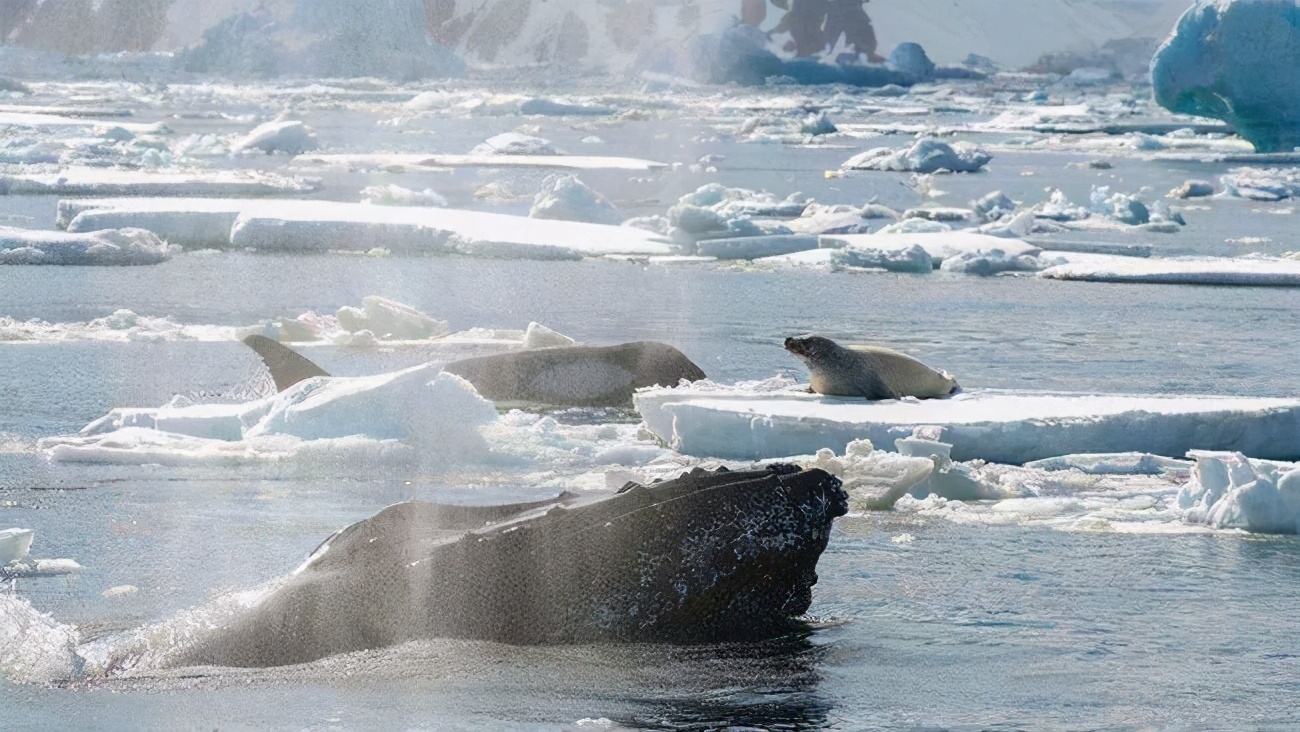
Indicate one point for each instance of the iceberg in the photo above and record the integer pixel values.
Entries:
(744, 423)
(117, 247)
(1229, 60)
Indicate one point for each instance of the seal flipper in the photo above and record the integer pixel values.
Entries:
(287, 366)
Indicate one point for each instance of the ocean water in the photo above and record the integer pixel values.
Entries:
(919, 622)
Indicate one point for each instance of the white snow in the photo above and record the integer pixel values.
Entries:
(289, 137)
(939, 245)
(924, 156)
(1254, 270)
(289, 225)
(998, 426)
(398, 162)
(75, 181)
(118, 247)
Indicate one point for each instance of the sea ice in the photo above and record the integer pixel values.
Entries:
(119, 247)
(14, 545)
(395, 195)
(1228, 491)
(743, 423)
(924, 156)
(391, 320)
(436, 162)
(940, 246)
(290, 137)
(112, 182)
(514, 143)
(566, 198)
(755, 247)
(1254, 270)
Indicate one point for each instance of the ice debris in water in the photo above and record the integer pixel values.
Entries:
(289, 137)
(1229, 491)
(116, 247)
(14, 545)
(514, 143)
(914, 259)
(1193, 189)
(1262, 185)
(391, 320)
(34, 649)
(714, 212)
(926, 155)
(395, 195)
(991, 262)
(994, 206)
(566, 198)
(1120, 206)
(818, 124)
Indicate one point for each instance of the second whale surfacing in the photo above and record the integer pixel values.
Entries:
(709, 556)
(567, 376)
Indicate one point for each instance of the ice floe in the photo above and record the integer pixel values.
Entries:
(113, 182)
(941, 246)
(1229, 491)
(566, 198)
(398, 162)
(395, 195)
(288, 225)
(999, 426)
(116, 247)
(289, 137)
(924, 156)
(1254, 270)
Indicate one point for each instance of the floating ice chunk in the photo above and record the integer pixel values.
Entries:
(1256, 270)
(916, 226)
(913, 259)
(994, 206)
(992, 262)
(1122, 207)
(395, 195)
(939, 245)
(391, 320)
(999, 426)
(1193, 189)
(539, 336)
(120, 591)
(553, 108)
(1220, 62)
(924, 156)
(117, 247)
(408, 162)
(910, 59)
(34, 649)
(1261, 185)
(756, 247)
(14, 545)
(111, 182)
(1232, 492)
(818, 124)
(565, 198)
(1123, 463)
(514, 143)
(290, 137)
(1058, 208)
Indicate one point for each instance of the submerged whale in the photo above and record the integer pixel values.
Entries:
(709, 556)
(569, 376)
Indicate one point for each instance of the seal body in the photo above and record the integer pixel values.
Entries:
(867, 371)
(706, 557)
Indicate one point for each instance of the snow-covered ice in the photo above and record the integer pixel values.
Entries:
(290, 137)
(940, 246)
(111, 182)
(1246, 271)
(397, 162)
(1229, 491)
(117, 247)
(998, 426)
(566, 198)
(14, 545)
(924, 156)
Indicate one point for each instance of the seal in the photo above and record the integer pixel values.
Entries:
(867, 371)
(707, 557)
(566, 376)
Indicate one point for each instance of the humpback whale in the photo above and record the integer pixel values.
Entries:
(569, 376)
(709, 556)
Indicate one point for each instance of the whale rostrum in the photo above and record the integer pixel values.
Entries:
(709, 556)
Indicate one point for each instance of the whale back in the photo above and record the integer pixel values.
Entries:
(706, 557)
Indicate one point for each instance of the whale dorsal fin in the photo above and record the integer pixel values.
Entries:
(287, 367)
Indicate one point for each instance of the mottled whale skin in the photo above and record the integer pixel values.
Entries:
(705, 557)
(571, 376)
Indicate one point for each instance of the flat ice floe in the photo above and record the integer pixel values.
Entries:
(302, 226)
(118, 247)
(113, 182)
(749, 423)
(1259, 271)
(941, 245)
(396, 162)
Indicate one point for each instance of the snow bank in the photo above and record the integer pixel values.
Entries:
(1250, 271)
(565, 198)
(118, 247)
(288, 225)
(1228, 491)
(924, 156)
(999, 426)
(113, 182)
(1226, 59)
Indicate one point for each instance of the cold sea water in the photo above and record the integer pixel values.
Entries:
(920, 621)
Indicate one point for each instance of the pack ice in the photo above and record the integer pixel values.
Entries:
(746, 422)
(126, 246)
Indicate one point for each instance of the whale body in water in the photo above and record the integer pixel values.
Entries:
(709, 556)
(567, 376)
